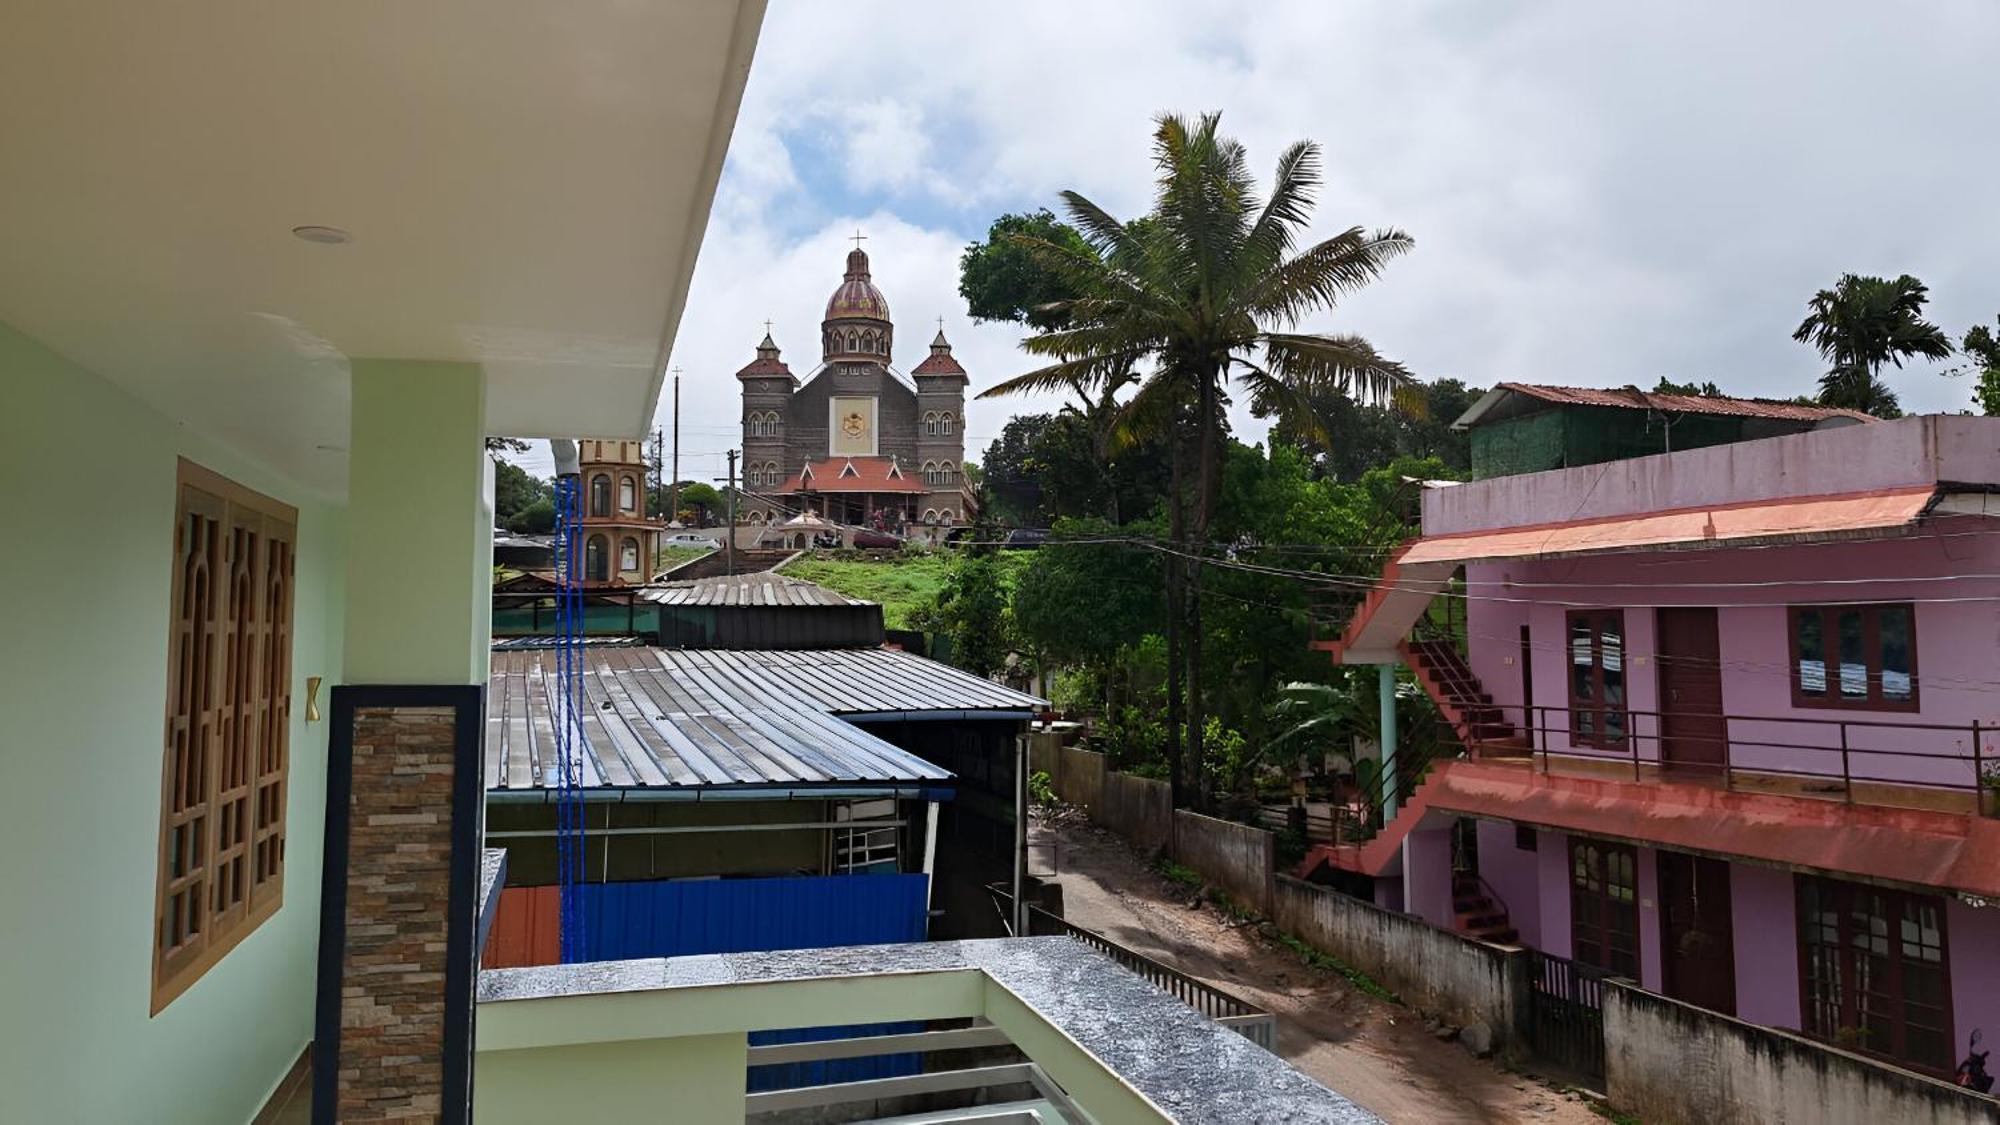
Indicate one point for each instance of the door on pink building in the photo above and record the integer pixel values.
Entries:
(1692, 732)
(1698, 953)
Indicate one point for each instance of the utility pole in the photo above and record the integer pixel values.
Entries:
(674, 485)
(659, 470)
(729, 535)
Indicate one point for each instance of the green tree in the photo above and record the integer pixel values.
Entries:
(1080, 601)
(1208, 289)
(1667, 386)
(1982, 347)
(538, 518)
(971, 610)
(1002, 279)
(1862, 323)
(515, 490)
(1344, 438)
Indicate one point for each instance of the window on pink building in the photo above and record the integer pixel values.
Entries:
(1873, 971)
(1604, 905)
(1854, 656)
(1596, 653)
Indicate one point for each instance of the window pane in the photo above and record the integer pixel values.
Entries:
(1812, 652)
(1612, 654)
(1892, 624)
(1582, 662)
(1853, 657)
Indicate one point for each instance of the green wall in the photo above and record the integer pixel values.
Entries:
(87, 508)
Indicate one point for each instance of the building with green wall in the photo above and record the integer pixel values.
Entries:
(1528, 428)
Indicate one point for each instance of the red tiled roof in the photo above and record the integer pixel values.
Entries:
(935, 364)
(1631, 398)
(854, 474)
(764, 368)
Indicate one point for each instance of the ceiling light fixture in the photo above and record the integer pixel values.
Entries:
(328, 236)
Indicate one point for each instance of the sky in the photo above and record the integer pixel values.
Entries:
(1600, 194)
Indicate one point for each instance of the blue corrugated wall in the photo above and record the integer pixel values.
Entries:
(674, 918)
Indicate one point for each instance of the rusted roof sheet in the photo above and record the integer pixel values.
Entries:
(763, 588)
(688, 719)
(1631, 398)
(1705, 526)
(1914, 847)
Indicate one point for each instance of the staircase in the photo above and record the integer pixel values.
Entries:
(1459, 697)
(1475, 914)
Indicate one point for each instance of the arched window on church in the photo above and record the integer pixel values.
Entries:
(931, 516)
(944, 517)
(868, 341)
(853, 341)
(771, 476)
(628, 554)
(944, 423)
(930, 424)
(600, 495)
(628, 494)
(596, 567)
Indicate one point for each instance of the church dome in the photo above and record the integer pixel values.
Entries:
(857, 295)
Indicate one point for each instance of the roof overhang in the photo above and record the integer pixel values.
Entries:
(1908, 847)
(526, 186)
(1794, 519)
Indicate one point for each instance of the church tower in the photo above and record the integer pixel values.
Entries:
(858, 444)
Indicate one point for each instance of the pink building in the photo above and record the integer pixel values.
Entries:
(1730, 725)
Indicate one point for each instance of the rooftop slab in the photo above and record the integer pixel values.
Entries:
(1190, 1068)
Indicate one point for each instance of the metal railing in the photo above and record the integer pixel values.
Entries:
(1241, 1016)
(1731, 748)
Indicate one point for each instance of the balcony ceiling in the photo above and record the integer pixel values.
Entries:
(525, 185)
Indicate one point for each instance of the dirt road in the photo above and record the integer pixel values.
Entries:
(1377, 1053)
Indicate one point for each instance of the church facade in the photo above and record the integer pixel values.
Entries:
(857, 443)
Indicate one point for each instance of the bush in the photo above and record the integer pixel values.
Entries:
(1041, 788)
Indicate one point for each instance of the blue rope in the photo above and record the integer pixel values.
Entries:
(571, 743)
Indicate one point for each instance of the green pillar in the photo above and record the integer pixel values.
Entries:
(1386, 683)
(420, 525)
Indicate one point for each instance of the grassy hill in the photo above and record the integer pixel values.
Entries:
(901, 584)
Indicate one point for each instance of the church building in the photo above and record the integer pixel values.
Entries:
(858, 443)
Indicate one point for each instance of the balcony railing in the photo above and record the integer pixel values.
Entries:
(1813, 755)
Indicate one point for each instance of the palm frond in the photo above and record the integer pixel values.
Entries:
(1345, 363)
(1090, 370)
(1322, 275)
(1287, 211)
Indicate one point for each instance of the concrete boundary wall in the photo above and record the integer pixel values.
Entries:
(1458, 979)
(1234, 857)
(1137, 808)
(1079, 780)
(1670, 1063)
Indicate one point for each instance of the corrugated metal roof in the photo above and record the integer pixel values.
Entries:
(662, 718)
(1631, 398)
(762, 588)
(860, 681)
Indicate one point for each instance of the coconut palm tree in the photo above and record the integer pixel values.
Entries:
(1208, 290)
(1862, 323)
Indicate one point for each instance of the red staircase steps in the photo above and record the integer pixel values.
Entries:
(1457, 692)
(1475, 914)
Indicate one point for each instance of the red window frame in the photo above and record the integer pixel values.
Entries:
(1875, 972)
(1595, 720)
(1828, 626)
(1604, 905)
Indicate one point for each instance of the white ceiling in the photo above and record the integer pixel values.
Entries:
(526, 184)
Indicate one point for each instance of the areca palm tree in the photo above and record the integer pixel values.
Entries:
(1862, 323)
(1208, 290)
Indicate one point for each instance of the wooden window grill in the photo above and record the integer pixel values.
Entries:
(228, 722)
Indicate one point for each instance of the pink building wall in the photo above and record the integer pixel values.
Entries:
(1863, 458)
(1763, 910)
(1974, 937)
(1957, 643)
(1514, 875)
(1553, 871)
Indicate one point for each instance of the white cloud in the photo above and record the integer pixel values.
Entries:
(1600, 194)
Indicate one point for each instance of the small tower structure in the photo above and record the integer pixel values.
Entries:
(620, 544)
